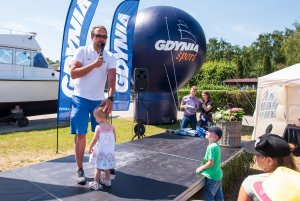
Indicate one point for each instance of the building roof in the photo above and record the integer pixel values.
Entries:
(241, 81)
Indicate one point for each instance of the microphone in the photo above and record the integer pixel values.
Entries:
(102, 45)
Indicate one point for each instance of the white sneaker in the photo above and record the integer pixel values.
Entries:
(94, 185)
(105, 182)
(80, 178)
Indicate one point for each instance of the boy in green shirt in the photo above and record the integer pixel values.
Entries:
(211, 166)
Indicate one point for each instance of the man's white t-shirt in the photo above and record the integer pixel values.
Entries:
(91, 86)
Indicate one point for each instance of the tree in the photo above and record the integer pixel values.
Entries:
(52, 62)
(248, 60)
(291, 45)
(291, 48)
(268, 53)
(215, 72)
(212, 50)
(268, 46)
(221, 50)
(267, 65)
(240, 68)
(278, 55)
(263, 46)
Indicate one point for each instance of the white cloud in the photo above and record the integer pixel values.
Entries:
(246, 29)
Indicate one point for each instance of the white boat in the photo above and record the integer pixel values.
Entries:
(28, 84)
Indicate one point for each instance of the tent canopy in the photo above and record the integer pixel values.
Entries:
(277, 100)
(289, 75)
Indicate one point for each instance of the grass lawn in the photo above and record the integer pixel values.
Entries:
(21, 149)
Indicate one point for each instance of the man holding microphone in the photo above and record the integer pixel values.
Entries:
(91, 66)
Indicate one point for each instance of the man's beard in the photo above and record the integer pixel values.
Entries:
(99, 44)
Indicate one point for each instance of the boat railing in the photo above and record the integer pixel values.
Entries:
(5, 30)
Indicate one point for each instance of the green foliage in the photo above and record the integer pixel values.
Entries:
(235, 168)
(52, 62)
(215, 72)
(291, 47)
(240, 68)
(268, 53)
(228, 98)
(240, 98)
(221, 50)
(267, 65)
(231, 114)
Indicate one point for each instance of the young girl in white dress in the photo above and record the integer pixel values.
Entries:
(102, 149)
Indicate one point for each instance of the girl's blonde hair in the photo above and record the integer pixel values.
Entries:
(287, 161)
(100, 112)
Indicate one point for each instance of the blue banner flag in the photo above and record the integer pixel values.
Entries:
(121, 45)
(77, 24)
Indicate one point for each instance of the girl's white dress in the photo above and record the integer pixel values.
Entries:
(103, 156)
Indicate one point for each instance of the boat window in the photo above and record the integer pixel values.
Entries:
(39, 60)
(23, 57)
(6, 56)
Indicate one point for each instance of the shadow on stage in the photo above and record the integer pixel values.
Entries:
(160, 167)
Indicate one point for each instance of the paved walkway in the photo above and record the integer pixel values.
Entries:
(49, 121)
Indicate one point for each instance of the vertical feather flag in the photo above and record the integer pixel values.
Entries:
(121, 45)
(77, 24)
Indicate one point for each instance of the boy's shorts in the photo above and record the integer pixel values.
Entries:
(81, 109)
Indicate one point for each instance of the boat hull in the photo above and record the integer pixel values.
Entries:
(34, 97)
(30, 108)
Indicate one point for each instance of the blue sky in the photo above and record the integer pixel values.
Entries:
(238, 22)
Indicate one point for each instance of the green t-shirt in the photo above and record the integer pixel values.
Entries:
(213, 152)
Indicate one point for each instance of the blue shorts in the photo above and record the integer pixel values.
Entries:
(81, 109)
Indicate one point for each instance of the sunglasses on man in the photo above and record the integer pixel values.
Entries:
(100, 36)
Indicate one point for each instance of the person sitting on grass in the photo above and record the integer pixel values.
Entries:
(270, 151)
(102, 149)
(211, 166)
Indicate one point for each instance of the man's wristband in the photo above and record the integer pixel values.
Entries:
(111, 98)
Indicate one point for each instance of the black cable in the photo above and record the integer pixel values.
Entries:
(243, 91)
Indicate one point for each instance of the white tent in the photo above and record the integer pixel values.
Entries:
(277, 100)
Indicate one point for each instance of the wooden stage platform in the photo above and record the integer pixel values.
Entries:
(160, 167)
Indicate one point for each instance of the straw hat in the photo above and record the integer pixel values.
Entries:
(282, 185)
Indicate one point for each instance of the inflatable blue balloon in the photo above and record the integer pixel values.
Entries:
(171, 45)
